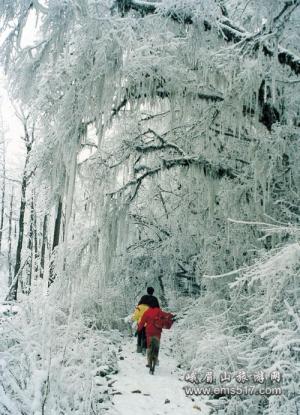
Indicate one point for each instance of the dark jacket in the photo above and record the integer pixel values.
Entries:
(149, 300)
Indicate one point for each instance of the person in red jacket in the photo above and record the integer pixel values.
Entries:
(153, 333)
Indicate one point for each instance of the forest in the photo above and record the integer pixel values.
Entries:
(160, 146)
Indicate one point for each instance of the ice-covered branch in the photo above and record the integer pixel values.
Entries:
(268, 227)
(229, 29)
(164, 144)
(214, 170)
(140, 220)
(163, 92)
(227, 274)
(244, 222)
(286, 11)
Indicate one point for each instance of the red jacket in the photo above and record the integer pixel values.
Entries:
(148, 318)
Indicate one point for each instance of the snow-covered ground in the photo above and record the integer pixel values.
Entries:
(139, 393)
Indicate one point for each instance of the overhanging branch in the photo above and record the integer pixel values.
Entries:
(162, 92)
(230, 30)
(216, 171)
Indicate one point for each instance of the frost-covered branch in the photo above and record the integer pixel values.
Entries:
(140, 220)
(227, 274)
(228, 28)
(164, 144)
(209, 169)
(285, 13)
(163, 92)
(268, 227)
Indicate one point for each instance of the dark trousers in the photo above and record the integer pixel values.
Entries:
(141, 338)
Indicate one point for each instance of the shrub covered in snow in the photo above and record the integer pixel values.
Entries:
(258, 328)
(52, 363)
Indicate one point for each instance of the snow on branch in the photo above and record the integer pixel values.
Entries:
(163, 92)
(213, 170)
(163, 144)
(268, 227)
(227, 274)
(229, 29)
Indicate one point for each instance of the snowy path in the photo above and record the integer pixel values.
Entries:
(145, 394)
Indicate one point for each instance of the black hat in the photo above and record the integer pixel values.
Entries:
(150, 290)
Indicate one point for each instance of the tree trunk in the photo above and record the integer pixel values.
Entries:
(14, 289)
(57, 225)
(30, 247)
(56, 236)
(162, 289)
(2, 200)
(43, 250)
(9, 240)
(35, 241)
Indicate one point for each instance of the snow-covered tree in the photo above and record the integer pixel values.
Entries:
(161, 129)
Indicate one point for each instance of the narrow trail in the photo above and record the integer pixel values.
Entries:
(139, 393)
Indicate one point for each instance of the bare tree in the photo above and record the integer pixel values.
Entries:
(44, 244)
(30, 247)
(28, 139)
(56, 238)
(10, 238)
(3, 182)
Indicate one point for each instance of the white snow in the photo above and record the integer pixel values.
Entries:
(155, 389)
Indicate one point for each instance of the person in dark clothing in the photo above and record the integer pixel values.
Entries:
(154, 320)
(149, 298)
(145, 302)
(153, 333)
